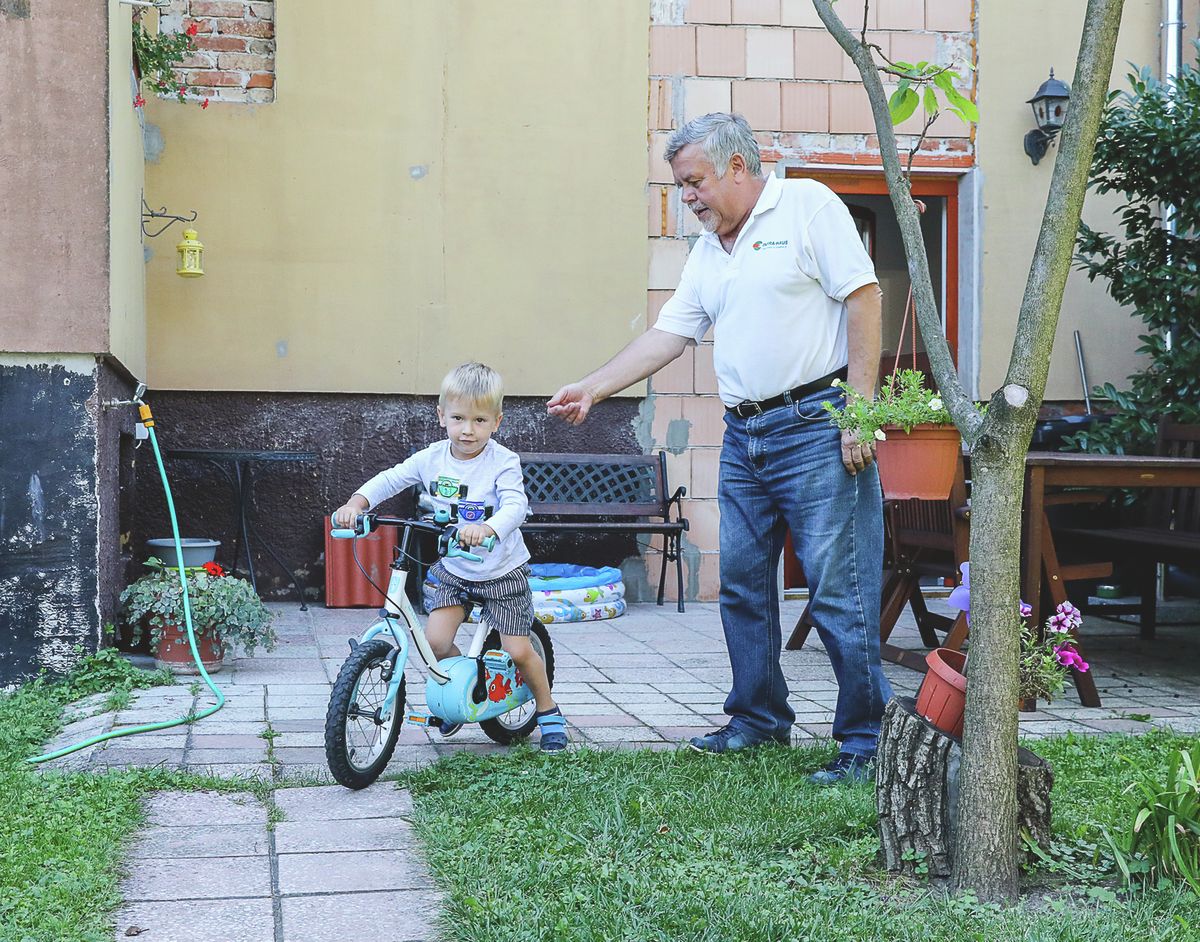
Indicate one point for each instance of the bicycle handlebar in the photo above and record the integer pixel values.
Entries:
(448, 544)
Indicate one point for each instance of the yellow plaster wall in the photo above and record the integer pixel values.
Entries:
(330, 268)
(1019, 42)
(126, 174)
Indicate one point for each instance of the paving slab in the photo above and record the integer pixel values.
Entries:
(396, 916)
(218, 920)
(184, 809)
(354, 872)
(189, 878)
(202, 840)
(335, 803)
(301, 837)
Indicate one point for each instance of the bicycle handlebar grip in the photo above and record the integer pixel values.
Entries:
(362, 527)
(454, 549)
(489, 543)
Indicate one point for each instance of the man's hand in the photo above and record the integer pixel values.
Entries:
(572, 403)
(856, 455)
(473, 534)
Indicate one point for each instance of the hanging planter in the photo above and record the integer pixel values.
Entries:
(920, 463)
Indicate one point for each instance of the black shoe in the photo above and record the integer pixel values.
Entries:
(847, 766)
(448, 729)
(728, 739)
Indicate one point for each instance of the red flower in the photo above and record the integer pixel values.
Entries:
(193, 29)
(204, 104)
(213, 569)
(139, 101)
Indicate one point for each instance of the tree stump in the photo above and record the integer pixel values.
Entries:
(916, 792)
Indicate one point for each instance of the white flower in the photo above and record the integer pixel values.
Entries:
(935, 404)
(879, 434)
(836, 382)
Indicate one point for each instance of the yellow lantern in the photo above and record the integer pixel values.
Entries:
(191, 254)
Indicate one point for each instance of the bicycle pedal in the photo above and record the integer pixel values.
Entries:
(419, 719)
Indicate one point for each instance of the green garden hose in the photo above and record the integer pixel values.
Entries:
(148, 420)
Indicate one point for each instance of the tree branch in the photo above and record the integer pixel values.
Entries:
(960, 406)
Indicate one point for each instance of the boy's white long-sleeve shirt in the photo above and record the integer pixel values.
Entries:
(492, 479)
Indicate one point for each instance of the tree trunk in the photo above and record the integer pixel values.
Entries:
(918, 783)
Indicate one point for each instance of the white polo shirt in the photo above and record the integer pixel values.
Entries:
(776, 302)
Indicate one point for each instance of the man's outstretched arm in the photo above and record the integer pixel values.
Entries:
(650, 352)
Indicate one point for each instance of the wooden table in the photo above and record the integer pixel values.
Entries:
(1054, 471)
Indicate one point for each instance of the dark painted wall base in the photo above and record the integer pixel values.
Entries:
(355, 436)
(59, 524)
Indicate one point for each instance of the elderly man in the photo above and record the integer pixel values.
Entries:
(781, 276)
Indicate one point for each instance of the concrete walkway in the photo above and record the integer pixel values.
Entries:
(647, 680)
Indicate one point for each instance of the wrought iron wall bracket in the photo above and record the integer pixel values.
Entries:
(148, 214)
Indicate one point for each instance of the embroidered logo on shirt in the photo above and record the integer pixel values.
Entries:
(780, 244)
(447, 486)
(471, 511)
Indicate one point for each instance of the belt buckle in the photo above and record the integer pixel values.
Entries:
(751, 405)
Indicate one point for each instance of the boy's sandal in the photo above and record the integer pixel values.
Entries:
(553, 726)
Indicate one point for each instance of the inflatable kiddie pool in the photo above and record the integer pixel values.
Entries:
(563, 592)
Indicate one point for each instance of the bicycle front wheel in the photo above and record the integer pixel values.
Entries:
(358, 741)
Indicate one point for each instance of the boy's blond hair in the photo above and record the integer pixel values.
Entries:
(474, 383)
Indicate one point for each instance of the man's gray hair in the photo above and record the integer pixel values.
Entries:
(721, 136)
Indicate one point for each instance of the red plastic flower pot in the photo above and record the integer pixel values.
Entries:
(943, 694)
(921, 463)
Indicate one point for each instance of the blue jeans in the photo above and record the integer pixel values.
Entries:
(783, 470)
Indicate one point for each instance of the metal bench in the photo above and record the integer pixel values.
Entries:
(606, 493)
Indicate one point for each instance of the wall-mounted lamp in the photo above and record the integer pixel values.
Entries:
(191, 250)
(1050, 111)
(191, 255)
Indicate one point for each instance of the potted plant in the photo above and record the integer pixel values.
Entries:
(916, 444)
(225, 611)
(1045, 661)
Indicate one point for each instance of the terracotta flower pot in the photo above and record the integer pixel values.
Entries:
(921, 463)
(943, 694)
(175, 652)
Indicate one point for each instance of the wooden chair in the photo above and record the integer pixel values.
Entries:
(922, 538)
(1169, 532)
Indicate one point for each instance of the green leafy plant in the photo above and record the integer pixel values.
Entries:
(107, 670)
(223, 607)
(904, 402)
(1162, 843)
(1147, 151)
(1048, 658)
(157, 55)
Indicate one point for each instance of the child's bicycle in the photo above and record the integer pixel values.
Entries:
(482, 686)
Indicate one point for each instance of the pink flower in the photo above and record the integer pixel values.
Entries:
(193, 29)
(139, 101)
(1026, 609)
(204, 104)
(1068, 657)
(1071, 614)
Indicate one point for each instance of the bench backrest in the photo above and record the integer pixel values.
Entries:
(1176, 507)
(596, 485)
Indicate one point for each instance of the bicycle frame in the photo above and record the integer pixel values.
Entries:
(397, 608)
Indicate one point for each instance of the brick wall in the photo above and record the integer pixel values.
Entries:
(235, 48)
(773, 62)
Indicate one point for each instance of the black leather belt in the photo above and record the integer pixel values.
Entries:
(747, 409)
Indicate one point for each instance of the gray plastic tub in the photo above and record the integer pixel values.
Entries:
(196, 551)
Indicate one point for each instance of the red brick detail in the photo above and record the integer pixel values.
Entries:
(217, 8)
(213, 78)
(260, 29)
(220, 43)
(261, 80)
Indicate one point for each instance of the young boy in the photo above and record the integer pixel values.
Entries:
(484, 479)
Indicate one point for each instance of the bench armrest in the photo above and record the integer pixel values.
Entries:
(677, 500)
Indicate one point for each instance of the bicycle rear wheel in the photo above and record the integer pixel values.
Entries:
(519, 723)
(358, 742)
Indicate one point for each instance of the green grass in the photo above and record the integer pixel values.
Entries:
(676, 846)
(62, 835)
